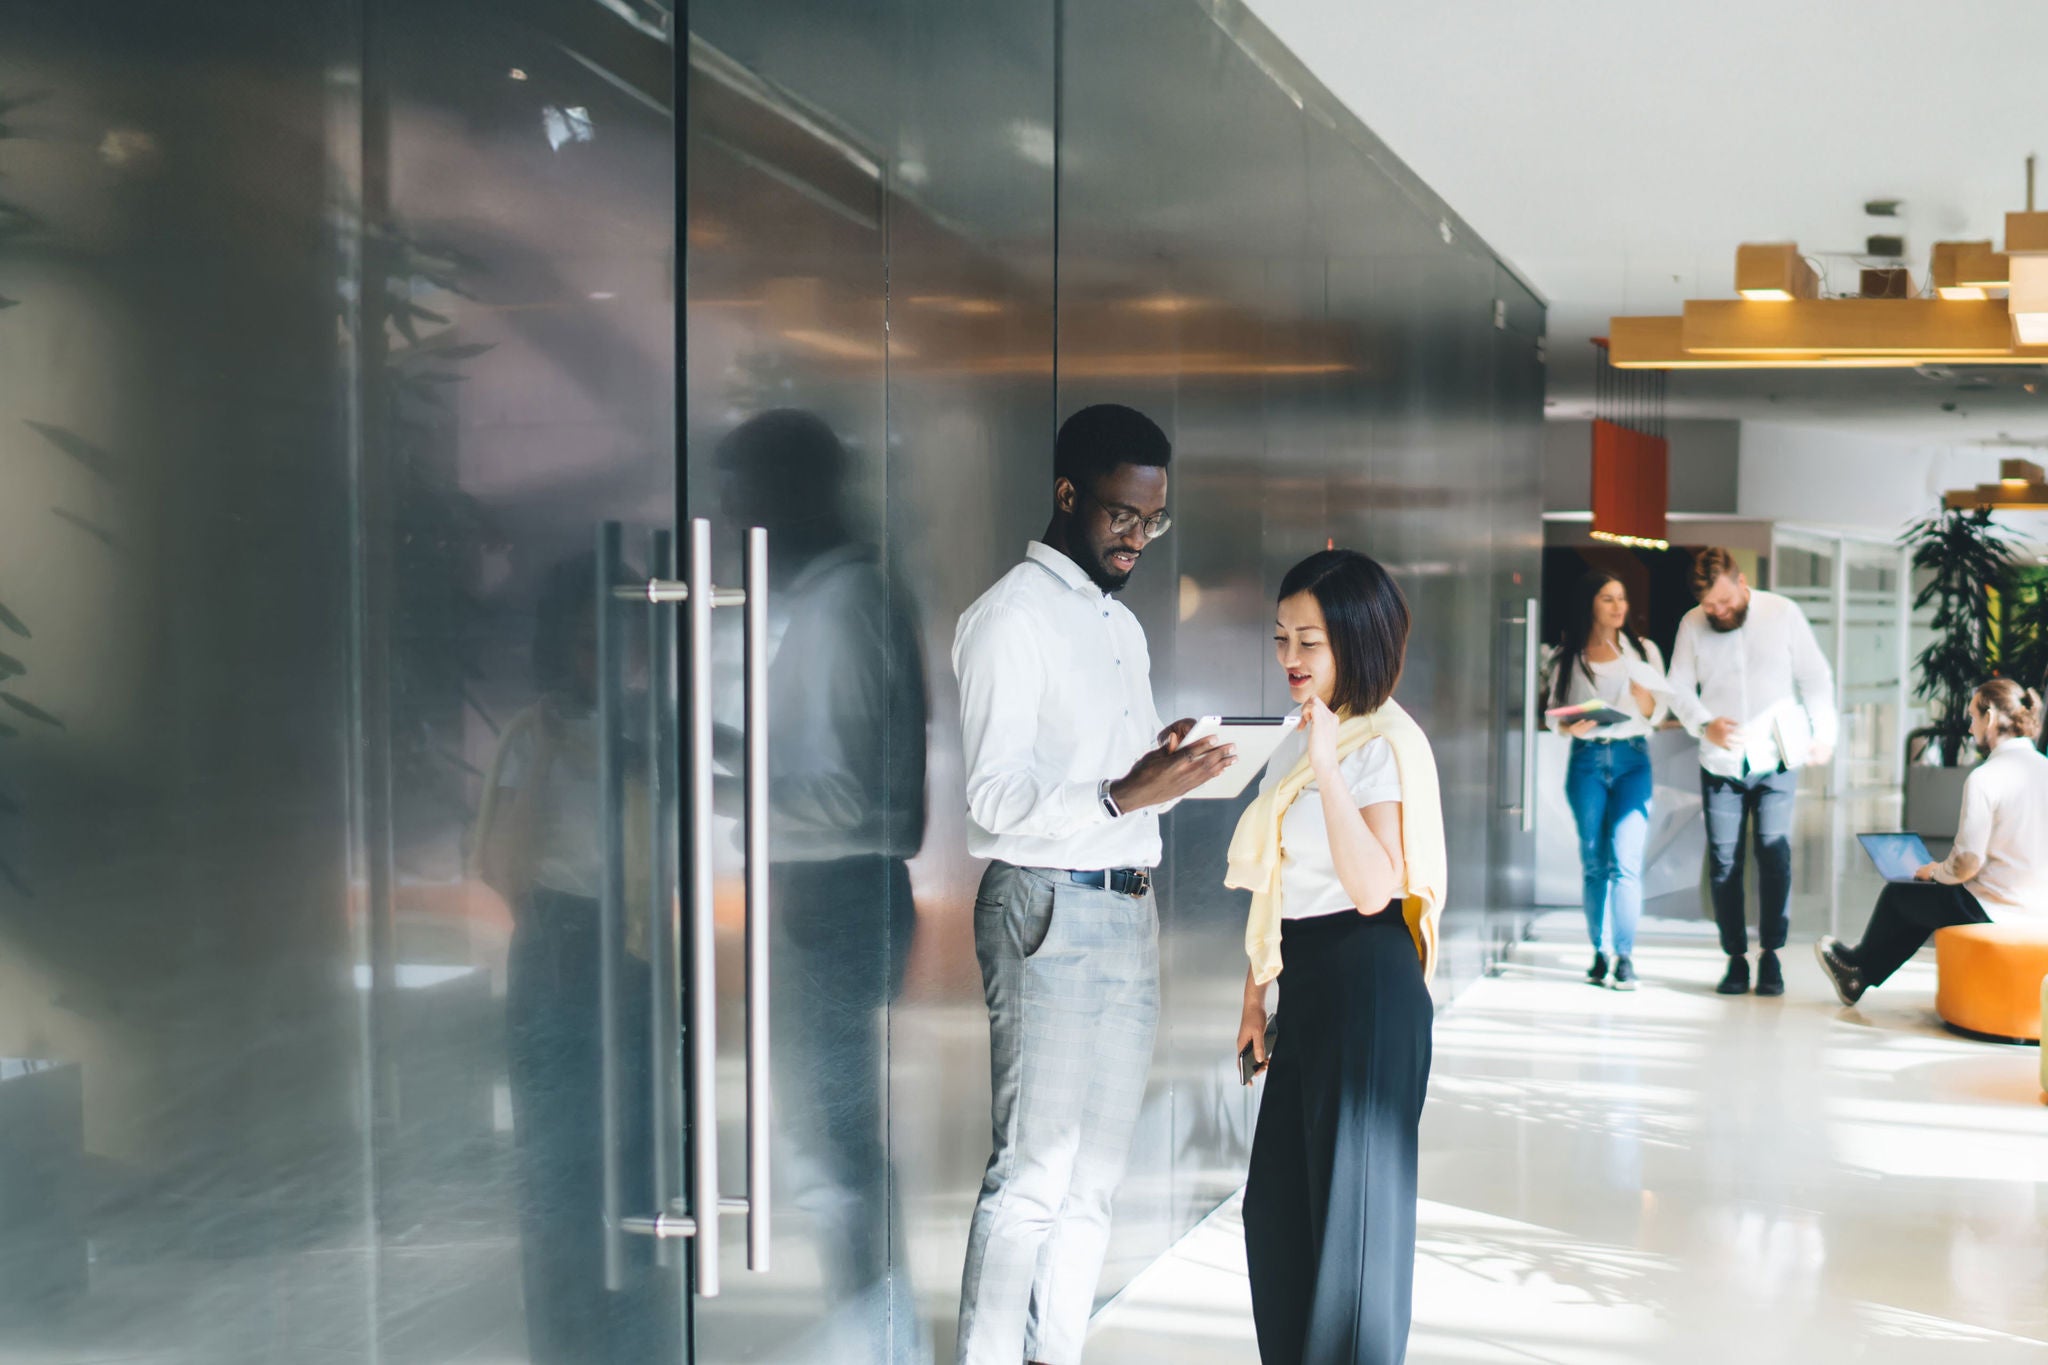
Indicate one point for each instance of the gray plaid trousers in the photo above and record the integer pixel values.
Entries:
(1071, 974)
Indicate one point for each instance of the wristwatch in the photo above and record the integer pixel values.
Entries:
(1109, 805)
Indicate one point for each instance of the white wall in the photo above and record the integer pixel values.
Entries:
(1816, 476)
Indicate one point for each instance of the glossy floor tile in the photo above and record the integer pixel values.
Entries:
(1678, 1176)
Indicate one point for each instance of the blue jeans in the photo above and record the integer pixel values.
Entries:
(1609, 786)
(1764, 802)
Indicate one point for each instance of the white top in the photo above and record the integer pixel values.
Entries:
(1308, 874)
(2001, 847)
(1055, 696)
(846, 753)
(568, 853)
(1747, 674)
(1610, 683)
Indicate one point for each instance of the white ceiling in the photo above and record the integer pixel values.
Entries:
(1617, 151)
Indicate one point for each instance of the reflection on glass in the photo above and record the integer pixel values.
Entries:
(846, 797)
(540, 845)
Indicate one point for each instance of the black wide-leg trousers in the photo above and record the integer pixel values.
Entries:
(1329, 1208)
(1906, 916)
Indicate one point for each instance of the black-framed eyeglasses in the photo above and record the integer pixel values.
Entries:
(1123, 519)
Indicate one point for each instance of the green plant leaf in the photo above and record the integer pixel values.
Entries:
(11, 667)
(8, 731)
(31, 710)
(7, 303)
(13, 623)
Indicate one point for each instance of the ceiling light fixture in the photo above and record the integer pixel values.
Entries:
(1782, 322)
(2021, 486)
(1946, 269)
(1774, 272)
(1631, 457)
(1849, 327)
(2026, 247)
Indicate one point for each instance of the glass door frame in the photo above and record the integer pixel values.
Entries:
(1838, 543)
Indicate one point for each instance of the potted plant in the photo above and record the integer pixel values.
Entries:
(1969, 560)
(2023, 630)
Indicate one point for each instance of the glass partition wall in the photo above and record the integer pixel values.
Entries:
(360, 362)
(1855, 591)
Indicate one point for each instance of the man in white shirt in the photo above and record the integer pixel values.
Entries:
(1998, 867)
(1749, 679)
(1067, 771)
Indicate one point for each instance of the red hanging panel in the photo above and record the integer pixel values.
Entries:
(1631, 483)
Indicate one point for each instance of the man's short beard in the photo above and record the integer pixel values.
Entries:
(1107, 581)
(1741, 616)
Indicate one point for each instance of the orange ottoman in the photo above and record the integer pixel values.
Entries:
(1989, 979)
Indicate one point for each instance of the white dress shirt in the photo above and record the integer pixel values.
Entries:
(1309, 885)
(1751, 675)
(846, 754)
(1610, 684)
(1055, 696)
(2001, 848)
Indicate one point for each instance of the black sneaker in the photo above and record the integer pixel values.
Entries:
(1769, 979)
(1597, 973)
(1841, 968)
(1737, 980)
(1624, 973)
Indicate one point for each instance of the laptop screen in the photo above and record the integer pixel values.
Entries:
(1897, 856)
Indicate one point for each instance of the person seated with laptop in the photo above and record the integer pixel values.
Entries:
(1998, 868)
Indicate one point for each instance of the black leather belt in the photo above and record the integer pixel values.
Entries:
(1125, 881)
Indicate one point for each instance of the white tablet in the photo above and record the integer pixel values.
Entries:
(1256, 737)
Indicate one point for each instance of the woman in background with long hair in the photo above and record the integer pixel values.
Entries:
(1609, 783)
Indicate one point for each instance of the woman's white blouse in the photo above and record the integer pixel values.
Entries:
(1308, 874)
(1610, 683)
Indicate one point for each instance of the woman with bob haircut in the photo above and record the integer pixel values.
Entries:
(1997, 869)
(1343, 852)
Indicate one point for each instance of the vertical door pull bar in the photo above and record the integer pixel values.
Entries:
(1532, 648)
(697, 1217)
(703, 924)
(611, 897)
(662, 948)
(759, 1231)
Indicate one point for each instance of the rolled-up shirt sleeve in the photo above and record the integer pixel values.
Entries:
(1973, 836)
(1682, 678)
(1002, 684)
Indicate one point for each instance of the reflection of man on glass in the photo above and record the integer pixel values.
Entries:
(1064, 789)
(846, 771)
(1749, 679)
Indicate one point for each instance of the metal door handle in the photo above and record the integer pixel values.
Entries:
(611, 898)
(661, 900)
(703, 922)
(675, 1217)
(758, 1078)
(1532, 612)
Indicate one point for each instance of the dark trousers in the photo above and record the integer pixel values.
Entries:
(1763, 801)
(1329, 1209)
(843, 933)
(555, 1064)
(1906, 916)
